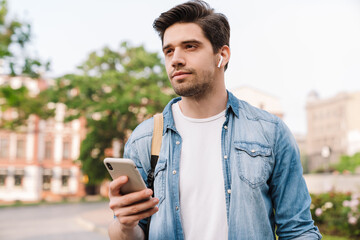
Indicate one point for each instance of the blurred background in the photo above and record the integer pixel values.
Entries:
(76, 77)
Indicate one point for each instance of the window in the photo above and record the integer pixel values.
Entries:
(47, 175)
(66, 150)
(46, 182)
(48, 150)
(4, 148)
(3, 174)
(65, 178)
(18, 180)
(20, 148)
(19, 176)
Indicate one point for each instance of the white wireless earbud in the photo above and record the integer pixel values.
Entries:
(220, 62)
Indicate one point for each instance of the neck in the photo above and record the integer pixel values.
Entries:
(207, 105)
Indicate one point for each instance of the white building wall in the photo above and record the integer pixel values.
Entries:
(58, 146)
(76, 139)
(324, 183)
(31, 181)
(30, 140)
(56, 180)
(31, 188)
(28, 191)
(30, 147)
(12, 147)
(10, 182)
(353, 142)
(259, 99)
(73, 183)
(59, 128)
(41, 140)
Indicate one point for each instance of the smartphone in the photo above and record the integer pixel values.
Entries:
(125, 167)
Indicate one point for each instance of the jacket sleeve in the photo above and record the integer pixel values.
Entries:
(131, 152)
(289, 193)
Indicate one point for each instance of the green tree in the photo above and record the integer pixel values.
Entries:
(23, 104)
(348, 163)
(114, 92)
(15, 35)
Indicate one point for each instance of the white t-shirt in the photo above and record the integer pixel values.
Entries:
(202, 191)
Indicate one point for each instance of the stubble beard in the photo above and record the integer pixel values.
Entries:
(196, 87)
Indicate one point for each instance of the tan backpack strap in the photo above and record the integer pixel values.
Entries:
(155, 147)
(157, 134)
(155, 151)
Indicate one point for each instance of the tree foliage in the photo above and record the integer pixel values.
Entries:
(22, 104)
(114, 92)
(15, 36)
(348, 163)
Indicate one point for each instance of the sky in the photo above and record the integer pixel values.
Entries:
(286, 48)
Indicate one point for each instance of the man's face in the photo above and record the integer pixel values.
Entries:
(189, 59)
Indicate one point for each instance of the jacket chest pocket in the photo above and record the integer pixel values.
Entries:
(253, 162)
(160, 180)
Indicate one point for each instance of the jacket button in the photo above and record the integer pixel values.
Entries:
(177, 142)
(229, 191)
(174, 172)
(225, 156)
(226, 127)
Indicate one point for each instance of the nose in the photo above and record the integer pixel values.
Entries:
(177, 59)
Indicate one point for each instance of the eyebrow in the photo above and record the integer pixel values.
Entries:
(182, 43)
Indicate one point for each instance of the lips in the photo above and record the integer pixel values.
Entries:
(180, 74)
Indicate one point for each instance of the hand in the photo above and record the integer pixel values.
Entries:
(132, 207)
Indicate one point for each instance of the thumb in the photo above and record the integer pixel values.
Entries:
(116, 184)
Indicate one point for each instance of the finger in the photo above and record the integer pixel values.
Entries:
(120, 201)
(135, 197)
(137, 208)
(130, 220)
(116, 184)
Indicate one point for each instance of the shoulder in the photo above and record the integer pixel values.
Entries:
(262, 123)
(138, 146)
(271, 125)
(256, 114)
(143, 130)
(245, 111)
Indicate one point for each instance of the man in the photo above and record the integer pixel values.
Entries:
(226, 170)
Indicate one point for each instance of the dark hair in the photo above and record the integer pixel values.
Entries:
(215, 26)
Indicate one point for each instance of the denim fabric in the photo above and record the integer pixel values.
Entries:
(264, 186)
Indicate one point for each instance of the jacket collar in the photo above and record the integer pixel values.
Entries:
(231, 106)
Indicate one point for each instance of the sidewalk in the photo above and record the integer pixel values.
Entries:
(97, 220)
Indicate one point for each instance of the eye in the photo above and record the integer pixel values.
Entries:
(190, 46)
(168, 51)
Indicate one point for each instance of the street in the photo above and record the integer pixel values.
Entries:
(75, 221)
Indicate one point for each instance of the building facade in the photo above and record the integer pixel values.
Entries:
(260, 100)
(38, 161)
(333, 128)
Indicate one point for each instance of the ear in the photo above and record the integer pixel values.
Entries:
(224, 56)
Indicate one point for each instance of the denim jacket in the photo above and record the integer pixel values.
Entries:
(264, 186)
